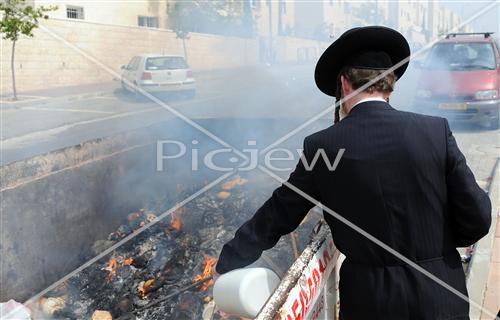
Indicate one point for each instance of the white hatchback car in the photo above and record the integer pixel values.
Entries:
(159, 73)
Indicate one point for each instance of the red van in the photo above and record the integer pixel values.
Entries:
(459, 79)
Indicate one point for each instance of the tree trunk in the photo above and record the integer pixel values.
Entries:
(185, 51)
(14, 92)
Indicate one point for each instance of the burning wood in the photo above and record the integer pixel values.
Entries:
(176, 218)
(237, 181)
(223, 195)
(128, 261)
(165, 272)
(209, 262)
(111, 268)
(144, 286)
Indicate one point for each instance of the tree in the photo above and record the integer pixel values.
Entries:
(19, 19)
(182, 19)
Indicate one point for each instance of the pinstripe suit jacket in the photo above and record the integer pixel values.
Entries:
(403, 179)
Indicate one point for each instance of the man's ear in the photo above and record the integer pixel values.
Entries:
(346, 86)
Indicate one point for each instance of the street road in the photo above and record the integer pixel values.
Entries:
(263, 92)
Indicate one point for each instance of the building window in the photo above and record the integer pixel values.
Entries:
(73, 12)
(151, 22)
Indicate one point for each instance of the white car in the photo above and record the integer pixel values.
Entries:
(158, 73)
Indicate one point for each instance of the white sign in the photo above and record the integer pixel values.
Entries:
(305, 300)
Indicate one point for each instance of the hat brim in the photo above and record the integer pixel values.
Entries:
(353, 42)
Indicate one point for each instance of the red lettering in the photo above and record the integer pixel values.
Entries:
(303, 311)
(295, 305)
(311, 288)
(316, 279)
(306, 298)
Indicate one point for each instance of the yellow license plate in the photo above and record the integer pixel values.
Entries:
(453, 106)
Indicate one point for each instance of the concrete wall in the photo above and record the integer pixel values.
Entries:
(44, 61)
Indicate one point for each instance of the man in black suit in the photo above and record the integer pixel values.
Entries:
(402, 179)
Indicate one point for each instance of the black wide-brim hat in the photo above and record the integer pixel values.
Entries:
(372, 47)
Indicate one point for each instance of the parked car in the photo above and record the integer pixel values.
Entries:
(158, 73)
(459, 79)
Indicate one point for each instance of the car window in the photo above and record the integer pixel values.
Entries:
(461, 56)
(166, 63)
(134, 63)
(131, 63)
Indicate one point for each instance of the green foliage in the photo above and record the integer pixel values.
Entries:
(217, 17)
(17, 18)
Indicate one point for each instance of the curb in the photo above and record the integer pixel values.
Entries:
(477, 281)
(47, 100)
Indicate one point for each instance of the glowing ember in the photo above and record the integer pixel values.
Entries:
(223, 195)
(176, 220)
(128, 261)
(237, 181)
(111, 268)
(144, 287)
(207, 272)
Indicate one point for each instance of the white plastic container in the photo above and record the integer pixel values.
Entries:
(243, 292)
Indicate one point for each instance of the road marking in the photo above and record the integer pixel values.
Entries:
(20, 99)
(105, 97)
(66, 110)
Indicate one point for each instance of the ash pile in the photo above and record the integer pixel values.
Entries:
(164, 272)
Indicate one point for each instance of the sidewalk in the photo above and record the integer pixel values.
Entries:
(492, 291)
(484, 277)
(39, 97)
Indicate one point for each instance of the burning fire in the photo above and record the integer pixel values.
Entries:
(144, 287)
(207, 272)
(176, 220)
(128, 261)
(237, 181)
(111, 268)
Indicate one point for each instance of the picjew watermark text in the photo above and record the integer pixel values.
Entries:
(225, 160)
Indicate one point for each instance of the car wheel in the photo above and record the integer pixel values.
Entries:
(124, 87)
(136, 93)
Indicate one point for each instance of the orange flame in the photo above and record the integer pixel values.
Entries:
(128, 261)
(111, 268)
(207, 271)
(176, 220)
(144, 287)
(237, 181)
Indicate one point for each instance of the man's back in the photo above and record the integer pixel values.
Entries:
(403, 180)
(394, 182)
